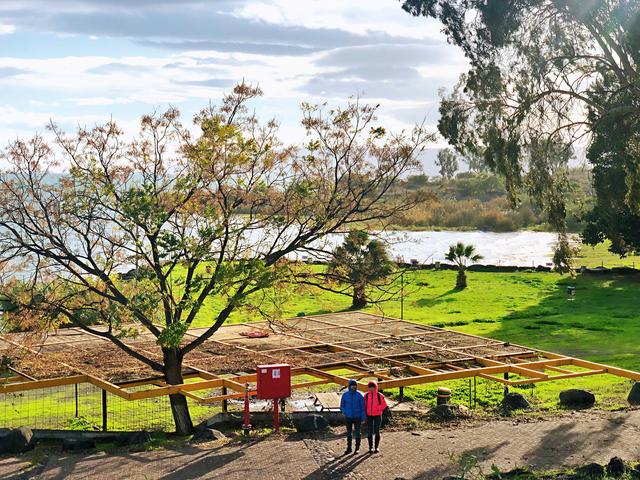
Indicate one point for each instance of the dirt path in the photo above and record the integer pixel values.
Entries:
(560, 442)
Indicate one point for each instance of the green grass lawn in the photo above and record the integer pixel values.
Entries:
(601, 324)
(600, 256)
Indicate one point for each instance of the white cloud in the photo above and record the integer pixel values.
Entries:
(355, 16)
(7, 29)
(296, 51)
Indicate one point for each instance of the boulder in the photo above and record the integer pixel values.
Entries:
(616, 467)
(134, 438)
(575, 398)
(515, 401)
(77, 444)
(205, 434)
(593, 471)
(310, 423)
(447, 412)
(634, 394)
(139, 437)
(18, 440)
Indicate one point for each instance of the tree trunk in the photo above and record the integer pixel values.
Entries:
(359, 297)
(179, 406)
(461, 279)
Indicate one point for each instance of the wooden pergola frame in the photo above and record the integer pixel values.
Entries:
(496, 360)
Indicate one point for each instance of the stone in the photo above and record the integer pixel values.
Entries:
(634, 394)
(310, 423)
(593, 471)
(134, 438)
(77, 444)
(139, 437)
(205, 434)
(515, 401)
(616, 467)
(18, 440)
(447, 412)
(575, 398)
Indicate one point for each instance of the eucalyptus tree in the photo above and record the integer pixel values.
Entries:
(212, 214)
(447, 162)
(545, 75)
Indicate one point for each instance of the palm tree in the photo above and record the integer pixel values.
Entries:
(460, 254)
(360, 262)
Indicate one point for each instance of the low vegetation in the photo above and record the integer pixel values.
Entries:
(480, 201)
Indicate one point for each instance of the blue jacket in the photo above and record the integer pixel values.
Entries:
(352, 404)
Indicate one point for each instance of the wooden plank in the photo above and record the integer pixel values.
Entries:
(173, 389)
(620, 372)
(556, 369)
(310, 383)
(527, 372)
(47, 383)
(560, 377)
(438, 377)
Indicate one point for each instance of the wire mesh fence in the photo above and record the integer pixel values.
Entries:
(87, 407)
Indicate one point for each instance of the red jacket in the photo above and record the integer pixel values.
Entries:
(375, 402)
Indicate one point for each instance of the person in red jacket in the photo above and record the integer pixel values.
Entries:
(374, 404)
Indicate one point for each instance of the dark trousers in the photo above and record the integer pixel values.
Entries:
(373, 429)
(354, 424)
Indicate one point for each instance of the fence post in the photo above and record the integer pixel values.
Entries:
(104, 410)
(225, 404)
(76, 389)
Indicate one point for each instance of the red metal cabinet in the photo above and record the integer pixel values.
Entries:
(274, 381)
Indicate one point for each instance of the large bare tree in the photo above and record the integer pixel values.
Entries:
(220, 210)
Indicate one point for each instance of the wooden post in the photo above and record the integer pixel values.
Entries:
(104, 410)
(225, 403)
(401, 393)
(475, 391)
(506, 387)
(76, 390)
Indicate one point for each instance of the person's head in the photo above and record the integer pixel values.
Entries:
(371, 386)
(353, 385)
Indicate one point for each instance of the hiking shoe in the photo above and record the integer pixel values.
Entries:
(347, 451)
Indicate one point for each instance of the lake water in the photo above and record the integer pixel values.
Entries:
(513, 248)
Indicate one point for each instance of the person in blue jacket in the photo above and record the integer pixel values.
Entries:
(352, 407)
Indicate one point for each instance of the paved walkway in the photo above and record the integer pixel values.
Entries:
(560, 442)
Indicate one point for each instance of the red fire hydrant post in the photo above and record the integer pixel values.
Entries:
(273, 382)
(276, 418)
(246, 426)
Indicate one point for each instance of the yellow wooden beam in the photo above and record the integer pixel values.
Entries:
(527, 372)
(439, 377)
(559, 377)
(620, 372)
(173, 389)
(47, 383)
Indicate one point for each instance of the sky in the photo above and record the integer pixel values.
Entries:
(82, 62)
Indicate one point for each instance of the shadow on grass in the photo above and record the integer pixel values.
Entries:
(601, 323)
(445, 297)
